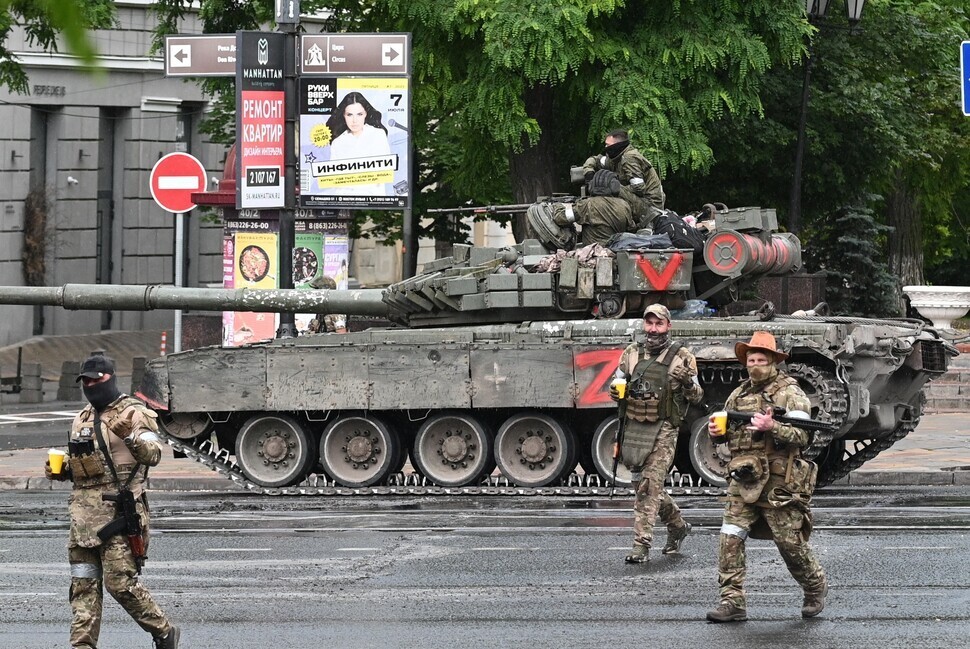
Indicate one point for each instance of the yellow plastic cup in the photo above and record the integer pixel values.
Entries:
(56, 459)
(719, 419)
(620, 385)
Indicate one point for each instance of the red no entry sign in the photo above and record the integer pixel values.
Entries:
(175, 177)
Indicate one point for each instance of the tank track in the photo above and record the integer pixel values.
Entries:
(833, 404)
(864, 450)
(412, 484)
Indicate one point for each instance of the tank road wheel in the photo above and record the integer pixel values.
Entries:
(185, 425)
(275, 450)
(534, 450)
(709, 462)
(358, 451)
(452, 449)
(602, 448)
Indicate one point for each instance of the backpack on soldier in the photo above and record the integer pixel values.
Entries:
(681, 234)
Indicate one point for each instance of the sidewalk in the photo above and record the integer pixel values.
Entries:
(936, 453)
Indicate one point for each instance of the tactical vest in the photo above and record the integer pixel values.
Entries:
(87, 460)
(740, 439)
(650, 402)
(785, 462)
(651, 398)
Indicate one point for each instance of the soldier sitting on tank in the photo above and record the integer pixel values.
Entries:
(639, 182)
(601, 214)
(330, 322)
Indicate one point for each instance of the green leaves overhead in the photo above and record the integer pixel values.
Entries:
(43, 21)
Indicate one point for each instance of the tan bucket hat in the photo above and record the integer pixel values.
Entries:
(761, 341)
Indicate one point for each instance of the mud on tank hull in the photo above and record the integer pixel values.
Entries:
(530, 398)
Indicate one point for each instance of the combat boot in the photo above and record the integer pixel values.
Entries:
(640, 554)
(813, 603)
(727, 612)
(170, 641)
(675, 539)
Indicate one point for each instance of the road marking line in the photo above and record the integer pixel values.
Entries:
(358, 549)
(917, 547)
(239, 549)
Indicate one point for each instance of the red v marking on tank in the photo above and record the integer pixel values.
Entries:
(660, 281)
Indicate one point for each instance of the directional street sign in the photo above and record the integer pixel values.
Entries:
(206, 55)
(965, 76)
(175, 177)
(384, 54)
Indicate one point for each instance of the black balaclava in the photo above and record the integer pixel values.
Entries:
(615, 149)
(101, 395)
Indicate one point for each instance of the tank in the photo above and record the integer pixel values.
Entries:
(493, 363)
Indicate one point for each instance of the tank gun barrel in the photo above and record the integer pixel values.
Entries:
(127, 297)
(483, 209)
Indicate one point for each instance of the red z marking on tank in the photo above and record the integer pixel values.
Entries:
(660, 281)
(598, 390)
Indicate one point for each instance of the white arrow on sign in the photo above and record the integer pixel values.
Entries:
(181, 57)
(390, 53)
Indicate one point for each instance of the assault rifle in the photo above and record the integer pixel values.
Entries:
(618, 442)
(127, 523)
(781, 415)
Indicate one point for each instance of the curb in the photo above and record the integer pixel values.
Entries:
(217, 484)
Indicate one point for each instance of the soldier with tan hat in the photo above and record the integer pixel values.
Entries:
(769, 484)
(661, 379)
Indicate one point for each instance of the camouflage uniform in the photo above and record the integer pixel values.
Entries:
(128, 428)
(602, 217)
(327, 323)
(650, 437)
(645, 198)
(779, 501)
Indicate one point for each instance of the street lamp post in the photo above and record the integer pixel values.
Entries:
(816, 10)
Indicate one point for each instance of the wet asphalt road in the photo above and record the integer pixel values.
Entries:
(270, 573)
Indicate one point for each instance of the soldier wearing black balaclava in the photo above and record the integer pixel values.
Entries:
(113, 441)
(639, 182)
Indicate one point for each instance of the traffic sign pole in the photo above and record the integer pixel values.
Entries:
(174, 178)
(965, 76)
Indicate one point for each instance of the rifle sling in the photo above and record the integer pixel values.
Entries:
(107, 456)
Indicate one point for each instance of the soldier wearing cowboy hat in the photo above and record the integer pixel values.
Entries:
(769, 484)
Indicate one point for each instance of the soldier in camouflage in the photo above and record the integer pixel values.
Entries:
(661, 380)
(327, 322)
(640, 183)
(112, 440)
(769, 485)
(601, 214)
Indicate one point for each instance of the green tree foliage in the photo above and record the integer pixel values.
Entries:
(515, 92)
(857, 278)
(884, 122)
(43, 21)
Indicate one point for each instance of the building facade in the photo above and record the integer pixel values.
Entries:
(75, 204)
(76, 154)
